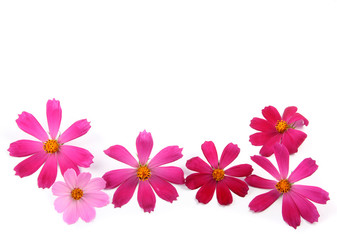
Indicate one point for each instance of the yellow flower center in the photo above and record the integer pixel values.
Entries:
(281, 126)
(218, 174)
(77, 193)
(283, 186)
(143, 173)
(51, 146)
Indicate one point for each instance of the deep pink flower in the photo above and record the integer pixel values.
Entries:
(149, 175)
(277, 129)
(50, 150)
(78, 196)
(295, 197)
(213, 176)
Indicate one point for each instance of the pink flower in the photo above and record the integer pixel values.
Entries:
(78, 196)
(149, 175)
(295, 197)
(277, 129)
(212, 177)
(50, 150)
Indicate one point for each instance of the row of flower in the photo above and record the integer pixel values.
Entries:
(79, 194)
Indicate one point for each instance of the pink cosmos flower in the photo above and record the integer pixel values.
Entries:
(51, 149)
(277, 129)
(78, 196)
(213, 176)
(295, 197)
(148, 174)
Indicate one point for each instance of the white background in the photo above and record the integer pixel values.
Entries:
(187, 71)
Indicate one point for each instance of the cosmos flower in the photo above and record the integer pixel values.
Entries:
(295, 197)
(50, 150)
(213, 176)
(147, 174)
(78, 195)
(277, 129)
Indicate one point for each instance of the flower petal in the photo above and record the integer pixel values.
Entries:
(266, 165)
(61, 203)
(96, 198)
(71, 213)
(209, 150)
(28, 123)
(306, 208)
(292, 139)
(241, 170)
(206, 192)
(237, 186)
(70, 178)
(305, 169)
(121, 154)
(314, 194)
(271, 114)
(268, 147)
(144, 144)
(163, 189)
(263, 201)
(228, 155)
(170, 173)
(76, 130)
(95, 184)
(223, 194)
(83, 179)
(146, 198)
(297, 120)
(261, 138)
(31, 164)
(198, 165)
(114, 178)
(79, 156)
(259, 182)
(48, 173)
(85, 211)
(288, 113)
(23, 148)
(196, 180)
(290, 212)
(167, 155)
(54, 116)
(65, 163)
(61, 189)
(282, 158)
(263, 125)
(125, 191)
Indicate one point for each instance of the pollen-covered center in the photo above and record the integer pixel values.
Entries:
(218, 174)
(143, 173)
(283, 186)
(51, 146)
(77, 193)
(281, 126)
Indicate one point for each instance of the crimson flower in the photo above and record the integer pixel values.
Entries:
(295, 197)
(213, 176)
(277, 129)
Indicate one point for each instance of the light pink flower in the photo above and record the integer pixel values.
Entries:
(295, 197)
(147, 175)
(78, 196)
(277, 129)
(50, 150)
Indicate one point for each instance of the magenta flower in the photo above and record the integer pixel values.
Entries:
(213, 176)
(149, 175)
(295, 197)
(50, 150)
(78, 196)
(277, 129)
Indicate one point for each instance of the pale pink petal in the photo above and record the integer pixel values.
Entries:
(271, 114)
(223, 194)
(95, 184)
(144, 144)
(61, 189)
(263, 201)
(114, 178)
(48, 173)
(65, 163)
(86, 212)
(163, 189)
(206, 192)
(71, 213)
(31, 164)
(228, 155)
(282, 158)
(28, 123)
(121, 154)
(237, 186)
(268, 147)
(96, 198)
(76, 130)
(70, 178)
(54, 116)
(62, 203)
(292, 139)
(288, 113)
(79, 156)
(170, 173)
(290, 212)
(83, 179)
(166, 155)
(23, 148)
(297, 120)
(259, 182)
(241, 170)
(198, 165)
(263, 125)
(305, 169)
(314, 194)
(266, 165)
(125, 191)
(146, 198)
(196, 180)
(306, 208)
(209, 150)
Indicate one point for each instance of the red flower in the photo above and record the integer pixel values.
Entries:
(277, 129)
(295, 197)
(209, 178)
